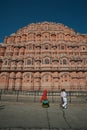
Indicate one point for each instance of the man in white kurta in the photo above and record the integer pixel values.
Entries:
(64, 98)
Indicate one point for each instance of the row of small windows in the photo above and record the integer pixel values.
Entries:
(44, 61)
(44, 36)
(31, 76)
(46, 46)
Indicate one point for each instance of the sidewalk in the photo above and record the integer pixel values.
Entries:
(31, 116)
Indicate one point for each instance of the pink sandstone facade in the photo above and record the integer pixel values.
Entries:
(44, 55)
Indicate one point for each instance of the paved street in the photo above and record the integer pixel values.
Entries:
(31, 116)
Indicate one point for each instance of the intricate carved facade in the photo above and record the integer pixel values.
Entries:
(44, 55)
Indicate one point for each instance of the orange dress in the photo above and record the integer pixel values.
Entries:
(44, 96)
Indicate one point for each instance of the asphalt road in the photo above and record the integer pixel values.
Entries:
(32, 116)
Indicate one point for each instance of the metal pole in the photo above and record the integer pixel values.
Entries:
(70, 96)
(0, 94)
(17, 95)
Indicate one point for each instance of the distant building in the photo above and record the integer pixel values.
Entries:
(44, 55)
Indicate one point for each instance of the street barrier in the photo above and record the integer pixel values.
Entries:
(34, 96)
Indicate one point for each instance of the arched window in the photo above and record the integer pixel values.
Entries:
(46, 78)
(16, 51)
(46, 47)
(47, 61)
(62, 47)
(6, 62)
(29, 62)
(83, 48)
(30, 47)
(64, 61)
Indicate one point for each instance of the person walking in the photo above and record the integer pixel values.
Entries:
(44, 99)
(64, 98)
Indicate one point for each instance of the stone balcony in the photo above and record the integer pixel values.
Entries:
(44, 68)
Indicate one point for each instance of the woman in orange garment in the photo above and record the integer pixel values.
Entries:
(44, 99)
(44, 96)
